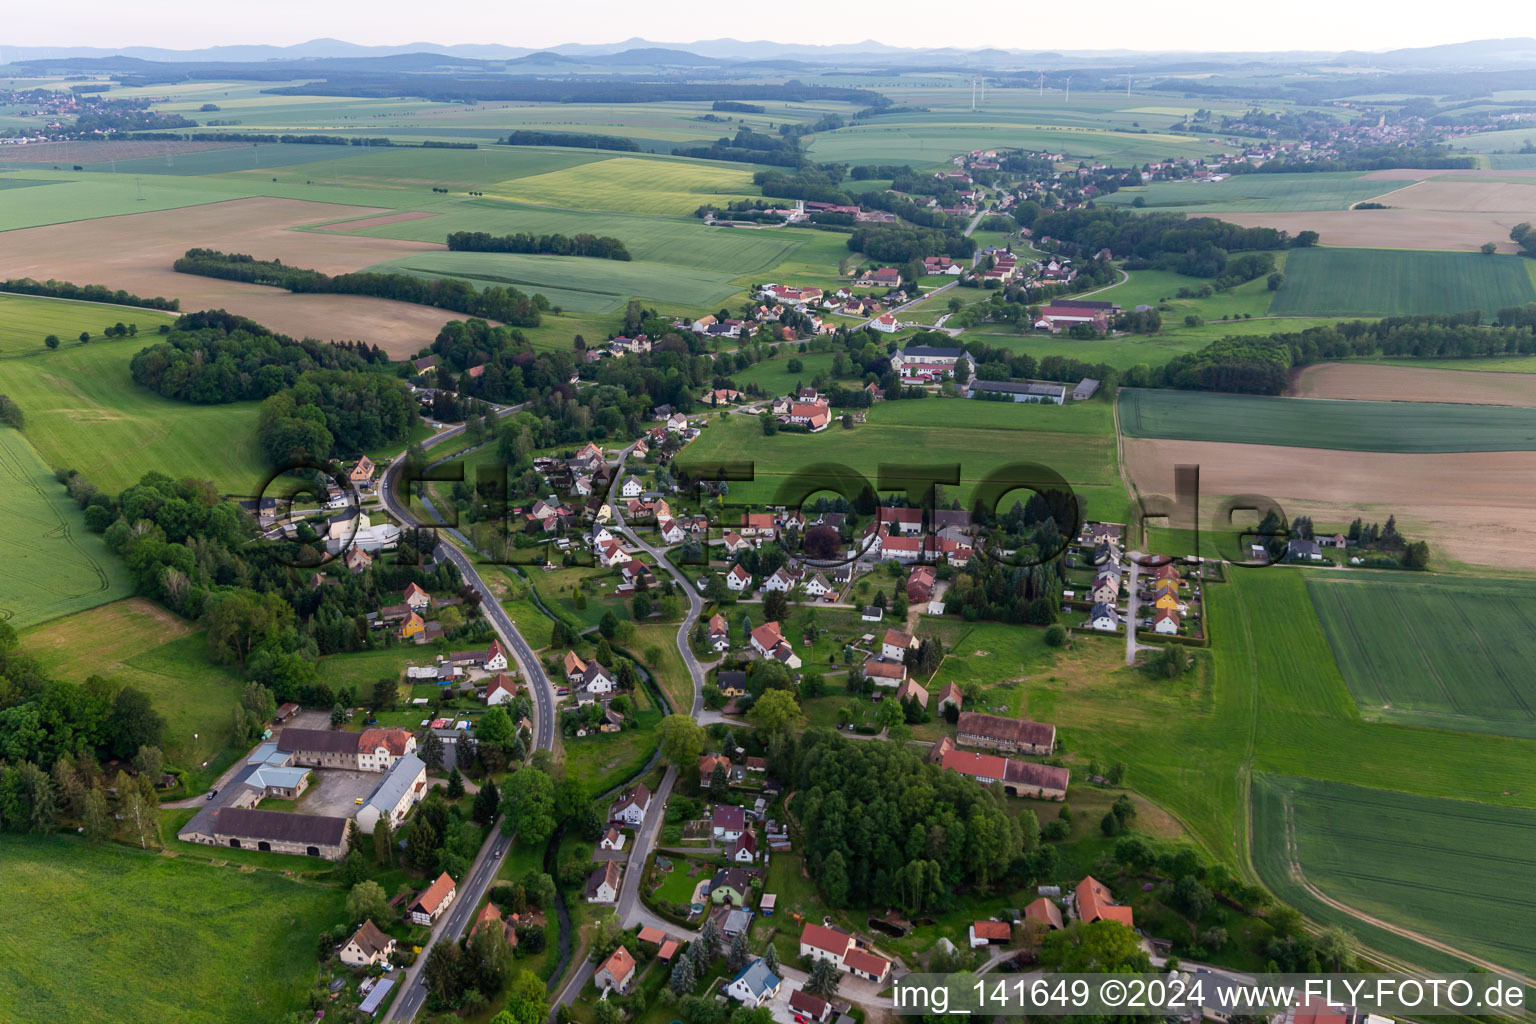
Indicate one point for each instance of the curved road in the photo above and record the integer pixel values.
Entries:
(483, 871)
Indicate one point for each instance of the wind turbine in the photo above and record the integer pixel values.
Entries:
(1127, 86)
(1041, 83)
(1068, 98)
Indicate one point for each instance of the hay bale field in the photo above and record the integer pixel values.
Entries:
(1445, 652)
(1378, 282)
(1316, 423)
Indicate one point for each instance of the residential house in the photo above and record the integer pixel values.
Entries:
(709, 762)
(731, 885)
(727, 822)
(743, 849)
(782, 580)
(758, 525)
(754, 984)
(768, 641)
(416, 598)
(573, 666)
(920, 584)
(815, 415)
(670, 532)
(885, 673)
(1104, 618)
(411, 626)
(1105, 589)
(372, 750)
(732, 684)
(616, 972)
(896, 644)
(950, 695)
(502, 689)
(613, 839)
(818, 586)
(603, 884)
(719, 633)
(358, 560)
(811, 1007)
(361, 476)
(367, 947)
(738, 579)
(1010, 735)
(1046, 912)
(885, 323)
(1304, 550)
(397, 792)
(1095, 902)
(631, 807)
(910, 688)
(434, 899)
(596, 680)
(926, 362)
(735, 542)
(822, 943)
(990, 933)
(631, 487)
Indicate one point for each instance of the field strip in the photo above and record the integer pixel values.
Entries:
(1418, 647)
(1342, 616)
(1300, 878)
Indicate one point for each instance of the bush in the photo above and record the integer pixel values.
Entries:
(1056, 635)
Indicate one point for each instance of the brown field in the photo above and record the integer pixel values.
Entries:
(350, 226)
(1477, 509)
(95, 152)
(1415, 174)
(1365, 382)
(1465, 197)
(135, 253)
(1394, 229)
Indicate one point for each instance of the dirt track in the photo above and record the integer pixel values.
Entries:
(1476, 508)
(135, 253)
(1365, 382)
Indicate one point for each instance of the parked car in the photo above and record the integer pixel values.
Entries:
(212, 793)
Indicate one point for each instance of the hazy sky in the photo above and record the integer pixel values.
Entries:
(1109, 24)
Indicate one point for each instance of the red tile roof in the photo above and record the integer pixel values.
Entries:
(1096, 903)
(981, 766)
(434, 895)
(992, 930)
(1044, 910)
(859, 960)
(827, 939)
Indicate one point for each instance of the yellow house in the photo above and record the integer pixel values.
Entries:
(733, 691)
(1166, 602)
(412, 625)
(1167, 584)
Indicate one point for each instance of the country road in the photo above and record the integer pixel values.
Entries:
(473, 886)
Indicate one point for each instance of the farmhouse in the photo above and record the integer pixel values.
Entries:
(1018, 391)
(822, 943)
(433, 900)
(1046, 912)
(372, 750)
(1058, 317)
(885, 673)
(911, 688)
(815, 415)
(245, 828)
(926, 362)
(1010, 735)
(950, 696)
(367, 946)
(397, 792)
(1096, 903)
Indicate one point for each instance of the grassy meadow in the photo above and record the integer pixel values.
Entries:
(1323, 423)
(625, 185)
(154, 938)
(1445, 652)
(138, 643)
(50, 564)
(85, 413)
(1392, 282)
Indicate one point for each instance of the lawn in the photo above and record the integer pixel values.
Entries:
(361, 669)
(1442, 868)
(1322, 423)
(630, 185)
(609, 759)
(155, 938)
(137, 643)
(1386, 282)
(1447, 652)
(670, 672)
(50, 564)
(574, 282)
(774, 377)
(980, 438)
(85, 413)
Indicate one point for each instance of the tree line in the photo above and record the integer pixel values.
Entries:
(333, 412)
(575, 140)
(212, 357)
(1196, 247)
(85, 293)
(603, 248)
(498, 302)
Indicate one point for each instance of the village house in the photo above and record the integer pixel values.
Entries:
(727, 822)
(950, 696)
(782, 580)
(731, 885)
(768, 641)
(885, 323)
(709, 762)
(911, 688)
(990, 933)
(1104, 618)
(1094, 902)
(821, 943)
(397, 792)
(613, 839)
(732, 684)
(884, 673)
(502, 689)
(603, 884)
(817, 586)
(926, 362)
(738, 579)
(1166, 622)
(616, 972)
(754, 984)
(631, 807)
(361, 476)
(735, 542)
(759, 525)
(1010, 735)
(920, 584)
(433, 900)
(1045, 911)
(895, 645)
(815, 415)
(719, 633)
(743, 849)
(367, 947)
(372, 750)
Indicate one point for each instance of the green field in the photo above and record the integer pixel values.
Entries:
(112, 933)
(1447, 652)
(1323, 423)
(137, 643)
(85, 413)
(50, 564)
(574, 282)
(624, 185)
(1076, 440)
(1443, 868)
(1256, 193)
(1392, 282)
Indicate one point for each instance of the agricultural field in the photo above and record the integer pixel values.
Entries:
(574, 282)
(50, 564)
(1411, 383)
(138, 643)
(1417, 427)
(1445, 652)
(1433, 867)
(1256, 193)
(1160, 288)
(1416, 230)
(208, 945)
(1073, 440)
(85, 413)
(621, 185)
(1376, 282)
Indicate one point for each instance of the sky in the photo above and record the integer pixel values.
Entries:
(1008, 24)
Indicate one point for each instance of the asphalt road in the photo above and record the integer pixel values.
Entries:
(473, 886)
